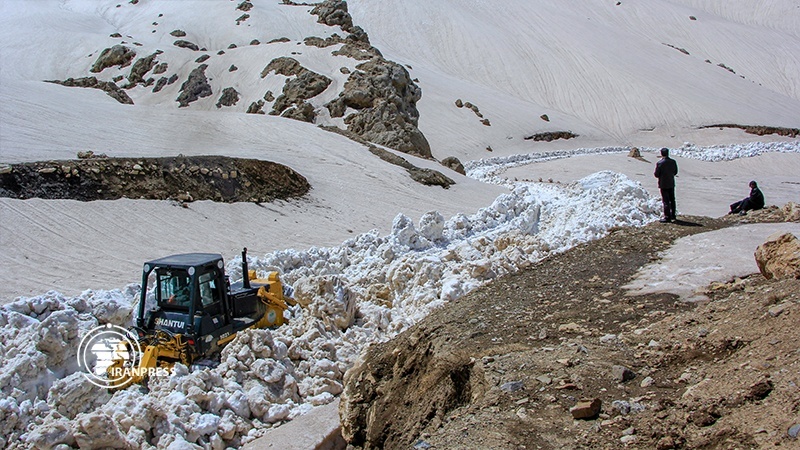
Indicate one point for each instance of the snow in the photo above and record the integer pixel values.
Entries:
(368, 252)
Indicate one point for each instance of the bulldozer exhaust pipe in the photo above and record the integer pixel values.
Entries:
(245, 272)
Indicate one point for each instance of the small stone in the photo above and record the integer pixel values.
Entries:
(608, 339)
(512, 386)
(46, 170)
(647, 382)
(544, 379)
(794, 431)
(586, 409)
(777, 310)
(628, 439)
(621, 374)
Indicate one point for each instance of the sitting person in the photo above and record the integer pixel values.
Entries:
(752, 202)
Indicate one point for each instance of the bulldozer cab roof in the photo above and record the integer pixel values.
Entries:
(185, 260)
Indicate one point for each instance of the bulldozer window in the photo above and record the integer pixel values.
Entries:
(209, 292)
(173, 288)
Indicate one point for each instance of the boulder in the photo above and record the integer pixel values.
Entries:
(779, 256)
(634, 153)
(118, 55)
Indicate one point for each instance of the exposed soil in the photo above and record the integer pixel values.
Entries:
(501, 368)
(179, 178)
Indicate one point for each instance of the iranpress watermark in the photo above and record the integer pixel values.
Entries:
(109, 357)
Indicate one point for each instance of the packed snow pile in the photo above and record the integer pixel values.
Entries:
(365, 290)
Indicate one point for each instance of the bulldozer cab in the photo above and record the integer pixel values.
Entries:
(190, 292)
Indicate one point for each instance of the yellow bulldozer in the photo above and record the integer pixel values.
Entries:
(196, 312)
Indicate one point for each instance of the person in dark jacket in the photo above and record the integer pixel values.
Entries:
(666, 170)
(754, 201)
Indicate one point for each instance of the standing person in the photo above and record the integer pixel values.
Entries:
(666, 170)
(754, 201)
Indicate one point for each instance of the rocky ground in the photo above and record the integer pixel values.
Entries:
(508, 366)
(180, 178)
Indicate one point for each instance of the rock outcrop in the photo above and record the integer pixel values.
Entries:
(118, 55)
(385, 99)
(779, 256)
(453, 163)
(229, 97)
(140, 69)
(195, 87)
(108, 87)
(186, 44)
(302, 85)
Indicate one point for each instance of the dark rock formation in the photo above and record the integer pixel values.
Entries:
(242, 18)
(160, 84)
(256, 107)
(302, 111)
(202, 59)
(186, 44)
(453, 163)
(334, 13)
(108, 87)
(385, 99)
(160, 68)
(195, 87)
(358, 52)
(140, 69)
(427, 177)
(245, 6)
(551, 136)
(305, 84)
(229, 97)
(118, 55)
(178, 33)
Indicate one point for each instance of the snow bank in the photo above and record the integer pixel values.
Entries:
(365, 290)
(488, 169)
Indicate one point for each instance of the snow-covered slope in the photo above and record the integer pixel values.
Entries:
(610, 73)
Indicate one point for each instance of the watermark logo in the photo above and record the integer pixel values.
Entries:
(106, 346)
